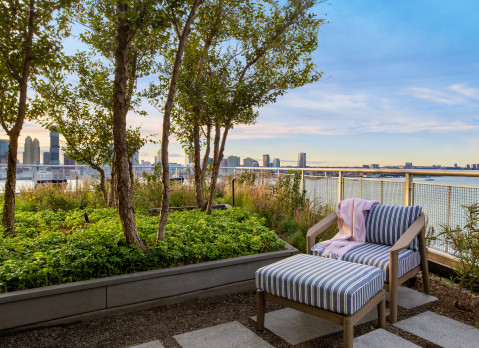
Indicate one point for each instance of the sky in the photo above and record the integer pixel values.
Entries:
(400, 84)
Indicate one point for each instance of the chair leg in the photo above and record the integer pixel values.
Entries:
(260, 304)
(382, 313)
(393, 302)
(348, 333)
(424, 265)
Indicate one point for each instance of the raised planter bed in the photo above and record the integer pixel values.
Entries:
(94, 298)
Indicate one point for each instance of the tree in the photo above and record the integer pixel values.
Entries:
(128, 34)
(182, 36)
(267, 52)
(82, 113)
(30, 43)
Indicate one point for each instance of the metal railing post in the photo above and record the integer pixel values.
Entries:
(302, 180)
(382, 192)
(448, 213)
(340, 186)
(408, 190)
(360, 188)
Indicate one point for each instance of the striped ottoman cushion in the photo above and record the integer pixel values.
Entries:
(336, 286)
(385, 224)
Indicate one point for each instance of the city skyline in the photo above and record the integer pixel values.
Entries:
(400, 84)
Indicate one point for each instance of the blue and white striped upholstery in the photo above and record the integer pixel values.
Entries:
(377, 255)
(385, 224)
(336, 286)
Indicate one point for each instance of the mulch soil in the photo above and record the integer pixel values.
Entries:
(162, 323)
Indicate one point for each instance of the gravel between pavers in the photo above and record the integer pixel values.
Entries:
(162, 323)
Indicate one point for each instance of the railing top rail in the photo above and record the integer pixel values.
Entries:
(431, 172)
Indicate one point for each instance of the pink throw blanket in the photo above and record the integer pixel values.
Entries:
(352, 228)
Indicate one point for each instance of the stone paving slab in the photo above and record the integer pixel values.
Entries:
(152, 344)
(229, 335)
(409, 298)
(441, 330)
(296, 327)
(378, 339)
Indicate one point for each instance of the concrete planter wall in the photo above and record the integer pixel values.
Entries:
(94, 298)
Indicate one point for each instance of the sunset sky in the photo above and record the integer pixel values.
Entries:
(400, 83)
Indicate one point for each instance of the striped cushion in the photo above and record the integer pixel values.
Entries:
(336, 286)
(378, 256)
(385, 224)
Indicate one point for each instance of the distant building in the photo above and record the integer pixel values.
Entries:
(36, 151)
(234, 161)
(255, 163)
(265, 160)
(374, 166)
(224, 162)
(365, 166)
(46, 158)
(455, 165)
(54, 146)
(468, 166)
(158, 157)
(67, 161)
(189, 157)
(248, 162)
(145, 163)
(135, 159)
(28, 151)
(302, 160)
(276, 163)
(3, 151)
(408, 165)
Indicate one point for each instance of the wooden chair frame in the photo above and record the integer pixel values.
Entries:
(347, 321)
(417, 229)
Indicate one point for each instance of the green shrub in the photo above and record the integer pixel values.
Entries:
(60, 247)
(465, 243)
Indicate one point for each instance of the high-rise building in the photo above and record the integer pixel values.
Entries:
(36, 151)
(408, 165)
(66, 160)
(54, 146)
(276, 163)
(189, 157)
(46, 158)
(27, 151)
(265, 160)
(3, 151)
(248, 162)
(224, 163)
(135, 159)
(302, 160)
(374, 166)
(234, 161)
(158, 157)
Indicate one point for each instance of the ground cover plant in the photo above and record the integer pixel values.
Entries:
(59, 247)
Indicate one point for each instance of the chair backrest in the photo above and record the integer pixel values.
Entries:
(385, 224)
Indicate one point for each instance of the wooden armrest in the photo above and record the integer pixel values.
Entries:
(408, 237)
(319, 228)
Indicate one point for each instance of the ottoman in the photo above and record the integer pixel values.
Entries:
(339, 291)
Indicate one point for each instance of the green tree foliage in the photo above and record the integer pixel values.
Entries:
(31, 34)
(258, 51)
(128, 35)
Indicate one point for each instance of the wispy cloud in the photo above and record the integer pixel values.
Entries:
(466, 91)
(434, 95)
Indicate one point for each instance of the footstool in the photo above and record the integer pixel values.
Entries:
(339, 291)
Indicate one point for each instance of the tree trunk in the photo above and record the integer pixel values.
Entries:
(111, 199)
(199, 187)
(120, 109)
(132, 176)
(8, 218)
(102, 182)
(165, 169)
(216, 168)
(205, 164)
